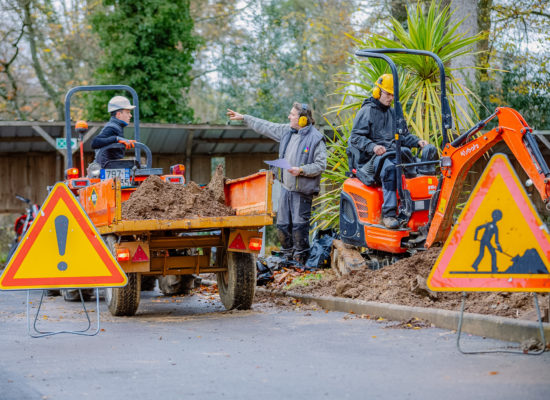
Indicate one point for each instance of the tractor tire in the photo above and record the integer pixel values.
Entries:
(171, 285)
(123, 301)
(238, 284)
(148, 282)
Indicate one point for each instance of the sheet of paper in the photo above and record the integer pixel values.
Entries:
(280, 163)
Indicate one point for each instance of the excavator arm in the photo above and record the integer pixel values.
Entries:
(458, 157)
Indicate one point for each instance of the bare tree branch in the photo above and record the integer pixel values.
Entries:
(31, 35)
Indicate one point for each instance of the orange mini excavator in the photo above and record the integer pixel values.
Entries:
(427, 202)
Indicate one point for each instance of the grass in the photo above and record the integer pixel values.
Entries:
(304, 280)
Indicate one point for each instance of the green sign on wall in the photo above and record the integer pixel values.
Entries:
(61, 143)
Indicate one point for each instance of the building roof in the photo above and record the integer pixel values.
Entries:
(25, 137)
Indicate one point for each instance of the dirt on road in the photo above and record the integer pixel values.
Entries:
(404, 283)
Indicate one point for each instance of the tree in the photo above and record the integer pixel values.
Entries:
(10, 42)
(517, 44)
(149, 46)
(48, 42)
(273, 53)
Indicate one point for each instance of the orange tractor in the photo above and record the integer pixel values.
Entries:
(174, 251)
(427, 202)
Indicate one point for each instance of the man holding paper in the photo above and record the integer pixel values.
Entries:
(302, 160)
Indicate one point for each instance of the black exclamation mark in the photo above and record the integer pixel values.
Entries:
(61, 229)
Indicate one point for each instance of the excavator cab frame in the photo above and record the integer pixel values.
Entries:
(400, 127)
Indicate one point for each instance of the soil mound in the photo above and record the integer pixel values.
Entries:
(405, 283)
(156, 199)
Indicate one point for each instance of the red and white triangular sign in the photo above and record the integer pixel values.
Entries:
(499, 242)
(139, 255)
(62, 249)
(237, 243)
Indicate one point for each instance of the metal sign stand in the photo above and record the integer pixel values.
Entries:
(39, 333)
(533, 353)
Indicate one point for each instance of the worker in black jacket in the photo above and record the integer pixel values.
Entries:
(372, 135)
(113, 132)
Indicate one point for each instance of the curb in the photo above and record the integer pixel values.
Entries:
(501, 328)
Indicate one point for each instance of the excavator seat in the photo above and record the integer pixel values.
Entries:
(369, 175)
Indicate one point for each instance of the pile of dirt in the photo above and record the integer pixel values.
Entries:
(404, 283)
(156, 199)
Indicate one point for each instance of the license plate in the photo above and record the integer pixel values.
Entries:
(122, 173)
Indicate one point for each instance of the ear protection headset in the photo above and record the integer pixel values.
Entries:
(376, 91)
(302, 121)
(385, 83)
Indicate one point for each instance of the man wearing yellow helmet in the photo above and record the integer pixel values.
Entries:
(372, 135)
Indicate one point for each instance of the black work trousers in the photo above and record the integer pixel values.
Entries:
(293, 224)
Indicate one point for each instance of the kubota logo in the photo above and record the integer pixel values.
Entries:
(467, 151)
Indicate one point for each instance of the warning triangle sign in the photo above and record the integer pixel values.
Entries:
(238, 243)
(62, 249)
(499, 242)
(139, 255)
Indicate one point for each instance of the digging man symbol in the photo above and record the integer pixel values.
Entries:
(491, 230)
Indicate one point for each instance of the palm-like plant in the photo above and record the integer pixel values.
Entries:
(419, 89)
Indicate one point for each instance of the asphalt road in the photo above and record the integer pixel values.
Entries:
(189, 347)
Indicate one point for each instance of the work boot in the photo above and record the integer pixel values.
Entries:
(284, 234)
(390, 222)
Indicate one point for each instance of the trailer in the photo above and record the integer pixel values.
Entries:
(224, 245)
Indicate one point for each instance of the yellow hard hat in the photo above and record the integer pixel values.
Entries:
(385, 82)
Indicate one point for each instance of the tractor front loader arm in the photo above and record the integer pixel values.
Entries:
(458, 157)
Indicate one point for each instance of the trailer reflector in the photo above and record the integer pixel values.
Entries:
(122, 254)
(238, 243)
(139, 255)
(255, 244)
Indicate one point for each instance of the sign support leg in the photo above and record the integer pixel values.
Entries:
(36, 333)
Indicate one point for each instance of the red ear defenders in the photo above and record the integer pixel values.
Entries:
(302, 121)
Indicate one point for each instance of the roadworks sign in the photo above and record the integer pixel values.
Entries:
(62, 249)
(499, 242)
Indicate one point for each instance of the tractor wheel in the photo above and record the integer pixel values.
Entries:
(238, 284)
(123, 301)
(171, 285)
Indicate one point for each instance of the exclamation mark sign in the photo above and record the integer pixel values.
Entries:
(61, 229)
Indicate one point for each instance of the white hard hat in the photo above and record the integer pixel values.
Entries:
(119, 103)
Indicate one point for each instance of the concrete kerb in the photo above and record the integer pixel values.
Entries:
(501, 328)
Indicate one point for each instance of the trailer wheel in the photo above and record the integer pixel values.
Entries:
(238, 284)
(123, 301)
(171, 285)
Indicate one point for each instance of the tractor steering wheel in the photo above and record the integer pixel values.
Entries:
(137, 145)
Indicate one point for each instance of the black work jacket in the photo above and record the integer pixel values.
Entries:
(111, 132)
(373, 126)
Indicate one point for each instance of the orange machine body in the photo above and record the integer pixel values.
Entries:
(361, 206)
(362, 222)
